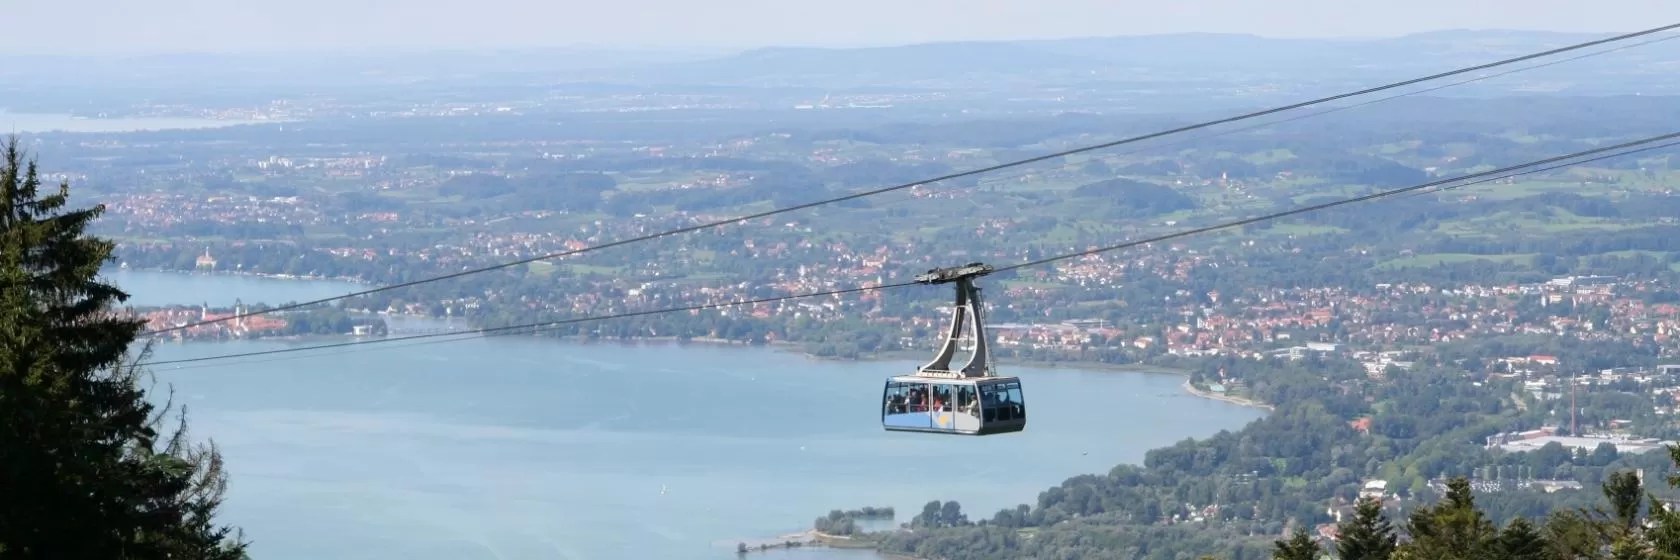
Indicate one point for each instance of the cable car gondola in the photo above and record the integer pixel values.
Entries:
(972, 400)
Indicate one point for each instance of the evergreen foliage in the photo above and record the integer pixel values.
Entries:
(86, 469)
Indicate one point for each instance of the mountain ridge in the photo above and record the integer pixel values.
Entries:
(1192, 57)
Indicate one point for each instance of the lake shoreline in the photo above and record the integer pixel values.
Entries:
(1239, 401)
(798, 348)
(270, 276)
(780, 346)
(902, 355)
(888, 356)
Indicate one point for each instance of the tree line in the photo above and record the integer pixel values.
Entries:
(1629, 524)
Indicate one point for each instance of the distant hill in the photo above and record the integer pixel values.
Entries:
(1185, 60)
(347, 69)
(902, 64)
(1167, 55)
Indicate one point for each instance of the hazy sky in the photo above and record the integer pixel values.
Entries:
(151, 26)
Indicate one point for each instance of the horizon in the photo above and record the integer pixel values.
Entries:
(107, 27)
(418, 50)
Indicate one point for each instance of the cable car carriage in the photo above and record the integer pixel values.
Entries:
(971, 400)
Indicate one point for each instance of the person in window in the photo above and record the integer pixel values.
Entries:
(1006, 407)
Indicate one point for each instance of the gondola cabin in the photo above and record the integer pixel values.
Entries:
(966, 400)
(975, 406)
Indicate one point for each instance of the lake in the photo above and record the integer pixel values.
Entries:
(152, 288)
(35, 123)
(517, 448)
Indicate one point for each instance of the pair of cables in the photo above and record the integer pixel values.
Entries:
(1538, 166)
(1530, 167)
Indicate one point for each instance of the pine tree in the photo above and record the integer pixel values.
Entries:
(1300, 546)
(1452, 529)
(1630, 547)
(1664, 534)
(1625, 494)
(1520, 541)
(1368, 536)
(85, 471)
(1573, 534)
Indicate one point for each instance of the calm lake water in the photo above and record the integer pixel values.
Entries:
(511, 448)
(45, 122)
(220, 290)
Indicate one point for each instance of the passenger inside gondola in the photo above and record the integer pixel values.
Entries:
(1001, 403)
(953, 406)
(896, 404)
(907, 398)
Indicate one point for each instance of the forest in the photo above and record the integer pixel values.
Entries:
(1625, 523)
(1301, 469)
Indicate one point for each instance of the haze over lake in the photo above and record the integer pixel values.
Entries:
(29, 123)
(519, 448)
